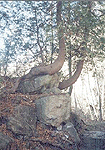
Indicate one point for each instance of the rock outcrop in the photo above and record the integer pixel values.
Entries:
(49, 107)
(54, 108)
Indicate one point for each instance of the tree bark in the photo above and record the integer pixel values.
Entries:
(66, 83)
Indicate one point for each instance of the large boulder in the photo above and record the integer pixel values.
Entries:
(39, 84)
(23, 120)
(53, 109)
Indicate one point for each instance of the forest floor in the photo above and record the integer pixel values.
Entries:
(44, 134)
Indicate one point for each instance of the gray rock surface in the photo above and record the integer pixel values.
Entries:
(39, 84)
(4, 141)
(23, 120)
(94, 140)
(53, 90)
(69, 128)
(53, 109)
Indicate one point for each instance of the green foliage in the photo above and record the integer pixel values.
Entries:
(84, 23)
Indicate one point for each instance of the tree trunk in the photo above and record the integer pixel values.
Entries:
(66, 83)
(57, 65)
(52, 68)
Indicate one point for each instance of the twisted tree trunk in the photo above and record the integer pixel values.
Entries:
(52, 68)
(66, 83)
(57, 65)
